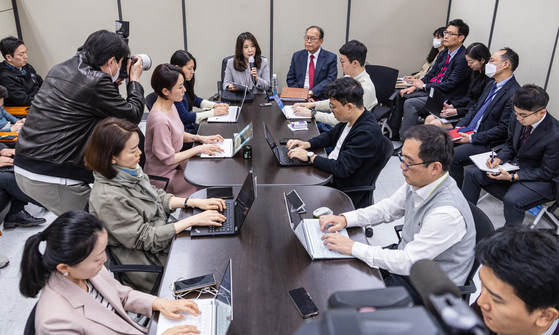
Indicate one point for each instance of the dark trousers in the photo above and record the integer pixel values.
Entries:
(406, 111)
(391, 279)
(461, 158)
(16, 196)
(515, 196)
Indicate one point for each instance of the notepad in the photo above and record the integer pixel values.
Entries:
(480, 160)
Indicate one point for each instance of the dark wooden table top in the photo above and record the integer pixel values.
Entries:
(207, 172)
(269, 261)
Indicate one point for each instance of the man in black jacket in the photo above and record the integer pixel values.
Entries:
(356, 141)
(533, 145)
(76, 95)
(450, 74)
(16, 75)
(489, 118)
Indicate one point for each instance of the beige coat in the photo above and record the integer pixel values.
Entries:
(136, 234)
(65, 308)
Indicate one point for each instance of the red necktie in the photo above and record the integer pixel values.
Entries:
(527, 133)
(311, 72)
(440, 75)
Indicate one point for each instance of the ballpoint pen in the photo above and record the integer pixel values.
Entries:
(492, 155)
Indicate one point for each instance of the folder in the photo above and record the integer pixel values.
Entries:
(294, 94)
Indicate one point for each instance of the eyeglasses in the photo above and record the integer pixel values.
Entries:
(312, 39)
(406, 165)
(332, 107)
(446, 32)
(522, 117)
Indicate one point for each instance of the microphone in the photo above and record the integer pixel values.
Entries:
(428, 278)
(251, 62)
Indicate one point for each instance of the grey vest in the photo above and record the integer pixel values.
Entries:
(457, 260)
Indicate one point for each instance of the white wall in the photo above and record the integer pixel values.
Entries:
(7, 21)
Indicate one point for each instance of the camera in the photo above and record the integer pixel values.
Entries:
(122, 29)
(146, 61)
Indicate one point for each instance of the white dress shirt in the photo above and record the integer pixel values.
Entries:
(442, 228)
(308, 62)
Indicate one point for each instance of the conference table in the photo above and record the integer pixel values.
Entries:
(208, 172)
(268, 261)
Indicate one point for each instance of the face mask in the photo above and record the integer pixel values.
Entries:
(437, 43)
(115, 77)
(491, 69)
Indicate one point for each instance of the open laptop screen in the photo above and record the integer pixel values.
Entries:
(224, 304)
(244, 201)
(242, 138)
(278, 100)
(269, 137)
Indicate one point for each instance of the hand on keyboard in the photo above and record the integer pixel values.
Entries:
(172, 308)
(205, 204)
(207, 218)
(183, 329)
(338, 242)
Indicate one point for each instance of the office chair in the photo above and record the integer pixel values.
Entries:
(150, 100)
(223, 67)
(30, 324)
(484, 227)
(384, 78)
(387, 153)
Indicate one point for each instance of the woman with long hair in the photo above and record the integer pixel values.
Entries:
(187, 63)
(238, 69)
(477, 55)
(135, 211)
(78, 294)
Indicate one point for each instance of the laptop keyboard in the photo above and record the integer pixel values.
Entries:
(203, 321)
(283, 150)
(228, 225)
(315, 236)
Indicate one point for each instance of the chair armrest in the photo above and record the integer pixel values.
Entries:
(135, 268)
(393, 95)
(398, 230)
(469, 288)
(359, 189)
(163, 179)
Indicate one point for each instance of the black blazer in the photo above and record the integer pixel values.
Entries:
(326, 71)
(538, 158)
(456, 79)
(495, 119)
(361, 151)
(477, 85)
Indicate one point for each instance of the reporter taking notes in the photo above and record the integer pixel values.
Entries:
(238, 68)
(136, 212)
(187, 64)
(165, 133)
(79, 295)
(75, 96)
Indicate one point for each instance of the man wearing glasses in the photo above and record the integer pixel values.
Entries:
(314, 67)
(450, 74)
(533, 145)
(438, 223)
(489, 117)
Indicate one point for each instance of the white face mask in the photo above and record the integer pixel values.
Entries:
(491, 69)
(437, 43)
(115, 77)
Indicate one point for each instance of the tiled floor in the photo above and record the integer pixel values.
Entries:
(14, 308)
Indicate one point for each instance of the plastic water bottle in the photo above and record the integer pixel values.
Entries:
(275, 83)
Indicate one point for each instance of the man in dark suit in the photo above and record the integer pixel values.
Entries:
(490, 116)
(450, 74)
(533, 145)
(319, 63)
(356, 141)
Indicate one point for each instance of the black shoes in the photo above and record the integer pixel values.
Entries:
(22, 219)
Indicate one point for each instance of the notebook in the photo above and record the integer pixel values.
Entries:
(216, 314)
(235, 212)
(287, 110)
(232, 146)
(309, 234)
(455, 135)
(281, 151)
(480, 160)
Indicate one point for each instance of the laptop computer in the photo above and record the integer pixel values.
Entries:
(235, 212)
(281, 151)
(287, 110)
(435, 102)
(309, 234)
(216, 314)
(232, 146)
(232, 116)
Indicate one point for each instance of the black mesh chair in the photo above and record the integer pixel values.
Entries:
(384, 78)
(150, 100)
(387, 153)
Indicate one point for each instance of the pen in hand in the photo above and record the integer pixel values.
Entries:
(492, 155)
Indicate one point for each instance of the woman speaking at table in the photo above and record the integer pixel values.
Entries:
(247, 66)
(187, 63)
(135, 211)
(79, 295)
(165, 133)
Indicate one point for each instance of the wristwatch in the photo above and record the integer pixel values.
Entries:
(185, 201)
(513, 177)
(313, 113)
(309, 155)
